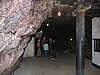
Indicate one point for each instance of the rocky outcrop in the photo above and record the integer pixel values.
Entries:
(19, 19)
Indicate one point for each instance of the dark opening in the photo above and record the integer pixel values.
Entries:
(97, 45)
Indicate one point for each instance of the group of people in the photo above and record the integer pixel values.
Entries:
(47, 46)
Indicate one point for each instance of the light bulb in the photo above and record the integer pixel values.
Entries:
(47, 24)
(59, 13)
(71, 39)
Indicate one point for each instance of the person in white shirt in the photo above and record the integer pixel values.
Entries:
(46, 49)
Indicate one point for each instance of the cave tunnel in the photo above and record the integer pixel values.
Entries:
(62, 30)
(24, 22)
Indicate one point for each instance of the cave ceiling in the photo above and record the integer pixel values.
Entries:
(70, 6)
(67, 21)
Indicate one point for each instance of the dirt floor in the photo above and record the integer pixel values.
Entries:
(64, 64)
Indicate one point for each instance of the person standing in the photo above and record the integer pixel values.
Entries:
(46, 49)
(39, 49)
(53, 51)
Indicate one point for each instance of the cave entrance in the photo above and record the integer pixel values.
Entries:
(63, 31)
(60, 29)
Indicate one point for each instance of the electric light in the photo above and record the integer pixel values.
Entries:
(59, 13)
(47, 24)
(44, 38)
(41, 31)
(71, 39)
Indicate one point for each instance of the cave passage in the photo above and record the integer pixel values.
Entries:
(64, 33)
(24, 22)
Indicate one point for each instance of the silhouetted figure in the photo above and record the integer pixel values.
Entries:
(39, 49)
(53, 51)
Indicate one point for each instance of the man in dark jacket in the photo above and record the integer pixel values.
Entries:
(53, 51)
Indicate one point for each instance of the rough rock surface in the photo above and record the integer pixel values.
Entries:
(18, 20)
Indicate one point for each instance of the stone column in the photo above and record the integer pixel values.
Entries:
(80, 43)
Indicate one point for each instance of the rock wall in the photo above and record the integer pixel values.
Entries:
(30, 49)
(18, 20)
